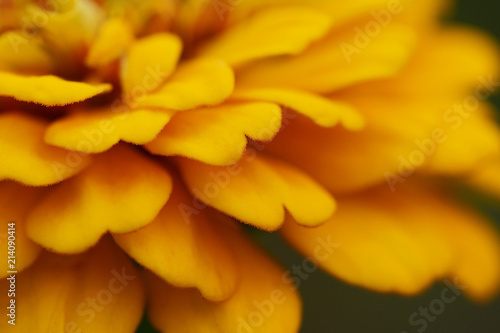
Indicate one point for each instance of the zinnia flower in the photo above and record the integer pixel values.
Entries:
(137, 136)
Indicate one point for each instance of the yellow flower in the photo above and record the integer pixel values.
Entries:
(148, 130)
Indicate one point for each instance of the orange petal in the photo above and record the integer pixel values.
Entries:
(148, 62)
(27, 159)
(271, 32)
(257, 189)
(217, 135)
(401, 242)
(121, 191)
(264, 301)
(70, 293)
(97, 131)
(16, 202)
(184, 246)
(48, 90)
(195, 83)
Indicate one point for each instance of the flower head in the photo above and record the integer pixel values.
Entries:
(147, 131)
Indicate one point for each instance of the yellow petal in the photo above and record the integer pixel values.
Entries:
(120, 191)
(24, 56)
(332, 64)
(89, 293)
(195, 83)
(114, 37)
(257, 189)
(148, 62)
(401, 242)
(15, 203)
(217, 135)
(48, 90)
(27, 159)
(322, 111)
(184, 246)
(264, 300)
(275, 31)
(487, 177)
(97, 131)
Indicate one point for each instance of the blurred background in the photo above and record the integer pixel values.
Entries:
(332, 306)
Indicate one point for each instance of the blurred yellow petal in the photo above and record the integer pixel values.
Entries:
(66, 294)
(271, 32)
(196, 83)
(401, 242)
(487, 177)
(97, 131)
(15, 203)
(27, 159)
(113, 39)
(263, 302)
(108, 195)
(149, 62)
(322, 111)
(217, 135)
(184, 246)
(48, 90)
(326, 66)
(257, 189)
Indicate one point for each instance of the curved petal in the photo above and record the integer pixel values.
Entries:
(401, 242)
(120, 191)
(271, 32)
(184, 246)
(264, 301)
(48, 90)
(196, 83)
(63, 294)
(97, 131)
(16, 201)
(257, 189)
(27, 159)
(322, 111)
(217, 135)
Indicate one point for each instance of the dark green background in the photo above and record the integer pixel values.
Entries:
(332, 306)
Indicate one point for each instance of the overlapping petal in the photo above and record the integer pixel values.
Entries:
(121, 191)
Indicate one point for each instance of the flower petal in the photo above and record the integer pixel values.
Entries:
(63, 294)
(487, 177)
(120, 191)
(97, 131)
(217, 135)
(262, 285)
(148, 62)
(114, 37)
(257, 189)
(402, 242)
(184, 246)
(48, 90)
(195, 83)
(325, 66)
(27, 159)
(322, 111)
(271, 32)
(15, 203)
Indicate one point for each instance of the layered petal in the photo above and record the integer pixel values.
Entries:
(185, 247)
(262, 288)
(401, 242)
(15, 203)
(257, 189)
(48, 90)
(27, 159)
(97, 131)
(199, 82)
(121, 191)
(217, 135)
(271, 32)
(62, 294)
